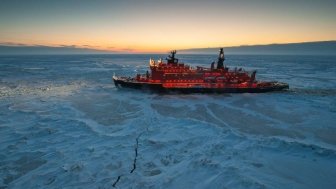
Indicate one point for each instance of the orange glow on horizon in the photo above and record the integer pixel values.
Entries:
(149, 27)
(162, 41)
(162, 46)
(155, 37)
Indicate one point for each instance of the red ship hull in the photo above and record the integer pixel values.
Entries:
(159, 87)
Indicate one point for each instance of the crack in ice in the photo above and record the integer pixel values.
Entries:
(136, 153)
(115, 182)
(134, 161)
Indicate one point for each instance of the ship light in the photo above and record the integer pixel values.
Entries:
(151, 62)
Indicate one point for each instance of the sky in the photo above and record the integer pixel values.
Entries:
(161, 25)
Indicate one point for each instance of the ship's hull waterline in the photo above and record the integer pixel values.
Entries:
(158, 87)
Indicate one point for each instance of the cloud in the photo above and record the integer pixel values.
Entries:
(68, 46)
(16, 48)
(91, 46)
(128, 50)
(12, 44)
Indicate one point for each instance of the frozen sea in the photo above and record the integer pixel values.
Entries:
(63, 124)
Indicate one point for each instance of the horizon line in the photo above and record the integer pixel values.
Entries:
(133, 51)
(7, 48)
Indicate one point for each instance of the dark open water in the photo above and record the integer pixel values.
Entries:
(63, 124)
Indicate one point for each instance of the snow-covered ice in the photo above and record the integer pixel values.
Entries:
(63, 124)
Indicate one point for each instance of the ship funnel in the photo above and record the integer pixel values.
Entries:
(253, 76)
(220, 62)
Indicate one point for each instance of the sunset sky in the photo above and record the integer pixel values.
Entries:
(160, 25)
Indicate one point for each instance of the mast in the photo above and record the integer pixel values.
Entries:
(220, 62)
(171, 58)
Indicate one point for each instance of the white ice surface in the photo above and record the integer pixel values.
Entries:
(78, 131)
